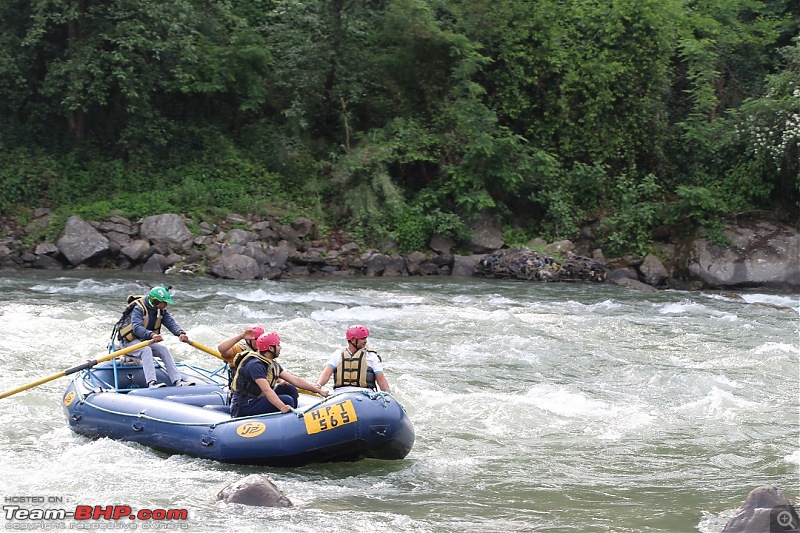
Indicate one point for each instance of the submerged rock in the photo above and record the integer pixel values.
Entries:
(255, 489)
(766, 509)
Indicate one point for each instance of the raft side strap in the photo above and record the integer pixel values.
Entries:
(144, 416)
(372, 395)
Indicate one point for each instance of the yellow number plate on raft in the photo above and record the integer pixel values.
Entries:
(329, 417)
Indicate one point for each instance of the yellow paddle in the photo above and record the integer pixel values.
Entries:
(206, 349)
(84, 366)
(215, 353)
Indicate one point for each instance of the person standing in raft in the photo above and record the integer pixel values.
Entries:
(256, 374)
(355, 366)
(142, 321)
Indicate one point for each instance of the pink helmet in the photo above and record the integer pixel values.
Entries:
(257, 330)
(267, 340)
(357, 332)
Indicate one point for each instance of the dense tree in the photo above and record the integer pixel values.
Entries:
(402, 118)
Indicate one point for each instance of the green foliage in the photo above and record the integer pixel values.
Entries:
(769, 129)
(403, 118)
(515, 237)
(697, 205)
(24, 178)
(412, 231)
(636, 212)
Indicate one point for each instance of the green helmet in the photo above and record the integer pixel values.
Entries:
(160, 294)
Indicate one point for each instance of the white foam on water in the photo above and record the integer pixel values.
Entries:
(560, 401)
(719, 404)
(779, 300)
(687, 307)
(794, 458)
(777, 348)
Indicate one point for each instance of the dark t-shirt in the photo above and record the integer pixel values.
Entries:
(256, 369)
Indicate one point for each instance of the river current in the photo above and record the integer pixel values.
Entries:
(537, 407)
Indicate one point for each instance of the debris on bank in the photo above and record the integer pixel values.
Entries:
(529, 265)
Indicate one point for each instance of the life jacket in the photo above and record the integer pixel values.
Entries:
(244, 386)
(353, 371)
(124, 325)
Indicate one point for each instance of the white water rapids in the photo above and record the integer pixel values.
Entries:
(537, 407)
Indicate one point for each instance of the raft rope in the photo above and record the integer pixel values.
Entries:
(382, 396)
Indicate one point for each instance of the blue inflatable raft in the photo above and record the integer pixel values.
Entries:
(111, 400)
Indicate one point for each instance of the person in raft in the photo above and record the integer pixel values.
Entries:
(256, 373)
(355, 366)
(142, 321)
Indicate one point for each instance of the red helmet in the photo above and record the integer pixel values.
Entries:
(257, 330)
(357, 332)
(267, 340)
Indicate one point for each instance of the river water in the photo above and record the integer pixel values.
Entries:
(537, 407)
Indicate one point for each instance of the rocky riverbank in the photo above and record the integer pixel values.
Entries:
(760, 254)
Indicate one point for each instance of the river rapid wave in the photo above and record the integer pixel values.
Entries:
(537, 407)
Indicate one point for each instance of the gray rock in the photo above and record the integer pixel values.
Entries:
(117, 227)
(395, 266)
(635, 284)
(235, 218)
(350, 248)
(169, 229)
(135, 250)
(414, 262)
(441, 244)
(622, 273)
(80, 242)
(45, 262)
(485, 237)
(653, 271)
(464, 265)
(156, 264)
(277, 256)
(46, 248)
(376, 264)
(428, 268)
(559, 247)
(240, 236)
(761, 253)
(235, 266)
(766, 509)
(255, 489)
(120, 239)
(304, 226)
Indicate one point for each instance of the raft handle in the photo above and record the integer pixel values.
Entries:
(207, 442)
(138, 426)
(379, 431)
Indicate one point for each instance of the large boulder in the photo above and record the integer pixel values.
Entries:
(464, 265)
(255, 489)
(760, 253)
(169, 229)
(81, 243)
(485, 237)
(766, 509)
(235, 266)
(653, 271)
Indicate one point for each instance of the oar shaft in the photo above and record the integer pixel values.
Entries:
(215, 353)
(206, 349)
(88, 364)
(31, 385)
